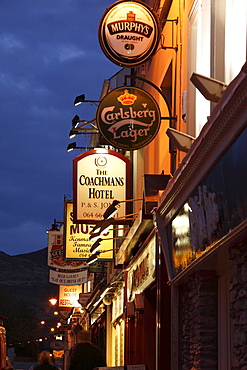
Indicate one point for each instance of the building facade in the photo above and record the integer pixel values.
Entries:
(175, 296)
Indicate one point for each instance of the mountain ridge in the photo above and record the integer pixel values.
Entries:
(25, 277)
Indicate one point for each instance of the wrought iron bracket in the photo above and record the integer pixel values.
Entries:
(170, 118)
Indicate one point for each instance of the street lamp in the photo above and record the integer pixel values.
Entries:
(53, 301)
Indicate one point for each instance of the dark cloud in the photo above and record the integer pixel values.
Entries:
(49, 55)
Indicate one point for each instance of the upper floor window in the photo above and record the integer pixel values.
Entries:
(217, 37)
(235, 37)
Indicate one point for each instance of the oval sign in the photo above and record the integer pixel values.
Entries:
(58, 345)
(129, 33)
(128, 118)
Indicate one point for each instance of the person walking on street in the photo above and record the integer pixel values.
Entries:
(85, 355)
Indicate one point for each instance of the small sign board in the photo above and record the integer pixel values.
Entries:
(83, 298)
(65, 278)
(68, 296)
(58, 345)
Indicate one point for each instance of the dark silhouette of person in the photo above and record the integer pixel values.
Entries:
(44, 359)
(85, 355)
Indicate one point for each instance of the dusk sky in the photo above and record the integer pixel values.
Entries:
(49, 54)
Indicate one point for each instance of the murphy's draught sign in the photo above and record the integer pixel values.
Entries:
(128, 118)
(129, 33)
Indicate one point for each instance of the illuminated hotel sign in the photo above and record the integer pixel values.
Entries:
(99, 177)
(76, 238)
(129, 33)
(128, 118)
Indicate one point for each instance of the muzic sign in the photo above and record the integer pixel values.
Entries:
(129, 33)
(128, 118)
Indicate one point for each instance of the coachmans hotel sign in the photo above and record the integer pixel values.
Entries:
(129, 33)
(100, 176)
(128, 118)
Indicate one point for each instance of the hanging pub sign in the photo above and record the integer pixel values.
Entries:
(128, 118)
(55, 253)
(141, 272)
(76, 239)
(129, 33)
(100, 176)
(68, 296)
(65, 278)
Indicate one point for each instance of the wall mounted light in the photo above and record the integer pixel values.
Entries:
(93, 258)
(73, 146)
(210, 88)
(56, 226)
(112, 209)
(102, 226)
(181, 140)
(76, 129)
(85, 131)
(75, 121)
(95, 247)
(81, 99)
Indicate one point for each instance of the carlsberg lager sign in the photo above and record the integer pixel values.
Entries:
(128, 118)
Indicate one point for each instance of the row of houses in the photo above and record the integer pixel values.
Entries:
(175, 296)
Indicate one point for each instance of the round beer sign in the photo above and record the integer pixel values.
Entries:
(128, 118)
(129, 33)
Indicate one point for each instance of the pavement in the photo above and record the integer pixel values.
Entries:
(24, 365)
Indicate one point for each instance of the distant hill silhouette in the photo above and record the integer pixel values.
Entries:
(26, 277)
(39, 257)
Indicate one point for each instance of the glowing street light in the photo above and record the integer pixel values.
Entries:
(53, 301)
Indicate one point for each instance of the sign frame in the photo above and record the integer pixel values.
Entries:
(128, 118)
(147, 31)
(67, 295)
(77, 244)
(56, 252)
(77, 219)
